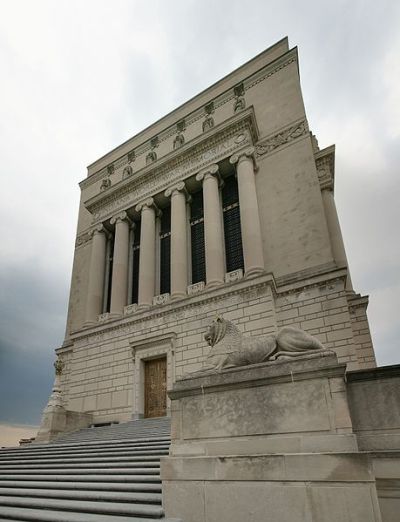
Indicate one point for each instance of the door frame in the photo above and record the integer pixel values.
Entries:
(145, 348)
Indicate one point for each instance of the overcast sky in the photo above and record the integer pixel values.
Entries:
(80, 77)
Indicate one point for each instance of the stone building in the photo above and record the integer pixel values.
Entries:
(222, 212)
(224, 206)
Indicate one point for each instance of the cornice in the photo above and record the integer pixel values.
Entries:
(228, 95)
(228, 137)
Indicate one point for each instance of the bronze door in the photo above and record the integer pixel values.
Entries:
(155, 387)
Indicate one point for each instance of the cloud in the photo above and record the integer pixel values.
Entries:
(79, 78)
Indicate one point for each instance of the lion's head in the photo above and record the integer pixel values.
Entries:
(220, 328)
(216, 331)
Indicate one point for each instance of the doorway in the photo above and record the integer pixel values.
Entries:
(155, 387)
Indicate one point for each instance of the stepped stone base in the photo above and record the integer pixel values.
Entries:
(272, 438)
(107, 474)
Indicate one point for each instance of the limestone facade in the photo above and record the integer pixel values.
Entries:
(251, 125)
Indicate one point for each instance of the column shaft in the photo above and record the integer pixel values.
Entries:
(179, 261)
(147, 260)
(119, 282)
(249, 215)
(213, 232)
(335, 233)
(94, 301)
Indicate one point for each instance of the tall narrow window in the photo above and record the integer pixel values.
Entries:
(108, 274)
(233, 234)
(135, 262)
(165, 251)
(197, 234)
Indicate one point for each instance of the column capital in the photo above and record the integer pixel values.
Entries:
(121, 216)
(98, 229)
(243, 155)
(148, 203)
(175, 189)
(211, 170)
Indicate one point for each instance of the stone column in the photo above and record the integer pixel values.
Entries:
(213, 232)
(147, 261)
(179, 257)
(249, 215)
(338, 250)
(94, 300)
(119, 282)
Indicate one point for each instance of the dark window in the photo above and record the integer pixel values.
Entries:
(232, 231)
(109, 270)
(135, 261)
(197, 234)
(165, 251)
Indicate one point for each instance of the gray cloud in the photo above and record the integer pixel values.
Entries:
(81, 77)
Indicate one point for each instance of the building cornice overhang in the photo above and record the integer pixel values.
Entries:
(231, 136)
(248, 81)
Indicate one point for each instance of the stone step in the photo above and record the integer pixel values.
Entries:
(109, 496)
(145, 450)
(110, 476)
(38, 515)
(81, 506)
(84, 469)
(86, 486)
(81, 462)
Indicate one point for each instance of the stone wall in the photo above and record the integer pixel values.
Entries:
(104, 364)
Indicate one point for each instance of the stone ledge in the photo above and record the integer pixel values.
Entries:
(310, 366)
(326, 467)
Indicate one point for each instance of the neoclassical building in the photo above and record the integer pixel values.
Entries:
(223, 207)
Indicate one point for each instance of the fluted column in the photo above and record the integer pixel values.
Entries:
(249, 215)
(179, 257)
(94, 300)
(338, 250)
(147, 260)
(119, 282)
(213, 232)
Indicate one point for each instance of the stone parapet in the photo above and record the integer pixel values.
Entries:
(272, 438)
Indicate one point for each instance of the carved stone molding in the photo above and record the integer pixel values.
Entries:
(121, 216)
(325, 163)
(105, 184)
(179, 141)
(179, 187)
(130, 309)
(82, 239)
(246, 153)
(235, 275)
(128, 171)
(195, 288)
(282, 138)
(211, 170)
(161, 299)
(256, 78)
(236, 133)
(146, 204)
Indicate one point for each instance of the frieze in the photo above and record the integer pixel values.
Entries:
(282, 138)
(212, 149)
(198, 114)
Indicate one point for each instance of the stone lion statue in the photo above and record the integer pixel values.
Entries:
(229, 347)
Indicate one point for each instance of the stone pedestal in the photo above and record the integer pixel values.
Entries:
(56, 419)
(270, 440)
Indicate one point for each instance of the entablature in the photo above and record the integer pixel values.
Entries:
(239, 131)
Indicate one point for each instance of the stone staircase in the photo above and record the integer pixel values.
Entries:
(109, 473)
